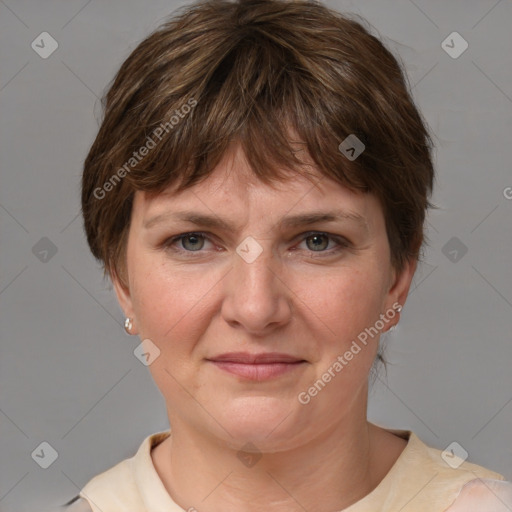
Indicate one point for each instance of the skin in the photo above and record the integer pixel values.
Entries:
(309, 303)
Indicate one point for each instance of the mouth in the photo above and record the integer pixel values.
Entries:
(257, 367)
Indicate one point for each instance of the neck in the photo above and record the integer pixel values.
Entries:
(330, 472)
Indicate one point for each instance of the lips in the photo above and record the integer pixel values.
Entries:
(261, 358)
(257, 367)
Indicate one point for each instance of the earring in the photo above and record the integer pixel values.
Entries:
(128, 325)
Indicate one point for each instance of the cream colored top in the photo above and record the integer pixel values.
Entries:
(419, 481)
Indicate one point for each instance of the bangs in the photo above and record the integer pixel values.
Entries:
(258, 96)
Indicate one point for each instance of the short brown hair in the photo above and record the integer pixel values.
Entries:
(250, 71)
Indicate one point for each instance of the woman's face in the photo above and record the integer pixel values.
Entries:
(317, 292)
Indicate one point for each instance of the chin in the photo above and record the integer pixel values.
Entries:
(262, 420)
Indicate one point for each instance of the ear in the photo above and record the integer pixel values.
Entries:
(122, 291)
(400, 283)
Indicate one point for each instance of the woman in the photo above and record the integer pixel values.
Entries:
(257, 192)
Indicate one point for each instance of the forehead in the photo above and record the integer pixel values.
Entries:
(232, 190)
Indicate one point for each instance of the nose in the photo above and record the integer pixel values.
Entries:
(256, 296)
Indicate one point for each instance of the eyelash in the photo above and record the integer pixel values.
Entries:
(169, 243)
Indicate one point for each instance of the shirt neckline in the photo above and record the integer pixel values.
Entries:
(157, 499)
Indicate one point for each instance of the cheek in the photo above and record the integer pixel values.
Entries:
(348, 306)
(346, 302)
(169, 306)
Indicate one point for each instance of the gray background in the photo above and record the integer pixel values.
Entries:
(68, 373)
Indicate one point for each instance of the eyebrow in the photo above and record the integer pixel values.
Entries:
(303, 219)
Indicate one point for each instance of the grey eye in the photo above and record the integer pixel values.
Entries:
(196, 242)
(317, 242)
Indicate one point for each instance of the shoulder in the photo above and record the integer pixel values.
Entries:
(484, 495)
(448, 465)
(450, 483)
(80, 505)
(121, 488)
(77, 504)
